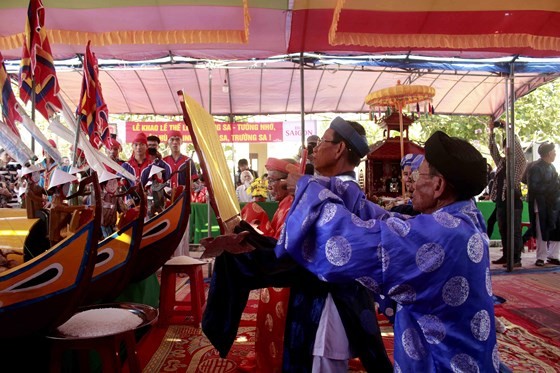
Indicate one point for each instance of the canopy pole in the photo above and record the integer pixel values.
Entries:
(76, 142)
(510, 167)
(302, 85)
(33, 98)
(210, 111)
(401, 129)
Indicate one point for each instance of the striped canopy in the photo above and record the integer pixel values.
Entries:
(223, 33)
(241, 29)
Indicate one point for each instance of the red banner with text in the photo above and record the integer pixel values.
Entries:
(227, 132)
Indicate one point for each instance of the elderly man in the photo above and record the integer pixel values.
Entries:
(434, 265)
(326, 323)
(409, 163)
(544, 205)
(242, 165)
(273, 304)
(498, 193)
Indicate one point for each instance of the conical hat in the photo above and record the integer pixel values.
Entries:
(60, 177)
(154, 170)
(74, 170)
(29, 170)
(106, 176)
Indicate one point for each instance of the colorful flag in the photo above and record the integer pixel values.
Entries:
(92, 111)
(9, 111)
(37, 63)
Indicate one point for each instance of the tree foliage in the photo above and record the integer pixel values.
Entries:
(537, 115)
(537, 118)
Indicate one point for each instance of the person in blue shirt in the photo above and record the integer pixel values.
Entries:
(409, 163)
(434, 265)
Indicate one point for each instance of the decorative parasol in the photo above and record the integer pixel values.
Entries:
(398, 97)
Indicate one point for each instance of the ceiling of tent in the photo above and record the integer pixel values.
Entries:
(236, 41)
(274, 87)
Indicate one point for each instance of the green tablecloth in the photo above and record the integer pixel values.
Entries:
(199, 219)
(145, 292)
(486, 208)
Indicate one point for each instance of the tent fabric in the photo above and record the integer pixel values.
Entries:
(242, 51)
(433, 26)
(274, 87)
(147, 29)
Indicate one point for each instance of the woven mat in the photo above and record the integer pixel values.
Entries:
(532, 301)
(530, 342)
(185, 349)
(523, 351)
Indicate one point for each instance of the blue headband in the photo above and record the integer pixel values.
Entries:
(412, 160)
(356, 141)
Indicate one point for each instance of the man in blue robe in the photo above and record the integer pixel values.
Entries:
(434, 265)
(309, 343)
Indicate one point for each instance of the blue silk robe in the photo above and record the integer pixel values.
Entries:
(435, 266)
(235, 275)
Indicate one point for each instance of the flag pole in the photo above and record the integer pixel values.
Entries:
(77, 127)
(69, 117)
(96, 160)
(33, 109)
(37, 52)
(33, 84)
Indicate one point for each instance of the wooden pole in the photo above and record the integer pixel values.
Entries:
(401, 128)
(209, 216)
(33, 98)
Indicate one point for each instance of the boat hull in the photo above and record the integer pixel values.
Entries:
(116, 257)
(43, 292)
(161, 236)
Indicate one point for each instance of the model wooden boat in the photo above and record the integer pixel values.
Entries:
(15, 228)
(45, 291)
(116, 257)
(161, 235)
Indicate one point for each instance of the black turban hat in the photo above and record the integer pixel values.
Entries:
(545, 148)
(459, 162)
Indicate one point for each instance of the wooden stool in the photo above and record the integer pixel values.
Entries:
(170, 309)
(531, 242)
(107, 345)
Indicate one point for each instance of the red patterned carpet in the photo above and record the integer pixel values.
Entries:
(532, 300)
(530, 343)
(531, 314)
(183, 348)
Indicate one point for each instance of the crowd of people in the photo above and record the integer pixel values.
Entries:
(33, 186)
(10, 184)
(435, 236)
(330, 258)
(250, 187)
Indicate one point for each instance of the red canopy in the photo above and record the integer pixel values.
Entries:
(238, 29)
(222, 32)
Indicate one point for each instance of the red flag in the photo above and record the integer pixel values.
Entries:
(37, 62)
(92, 110)
(9, 103)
